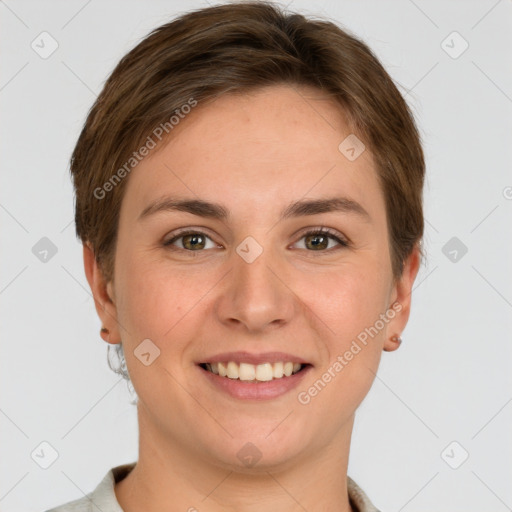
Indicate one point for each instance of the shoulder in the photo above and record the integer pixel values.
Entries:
(103, 497)
(359, 500)
(80, 505)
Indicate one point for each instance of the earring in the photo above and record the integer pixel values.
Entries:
(105, 334)
(395, 339)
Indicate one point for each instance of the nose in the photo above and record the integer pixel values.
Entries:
(257, 297)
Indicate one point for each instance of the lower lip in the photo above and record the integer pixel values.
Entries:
(256, 390)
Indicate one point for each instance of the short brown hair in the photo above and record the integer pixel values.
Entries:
(237, 47)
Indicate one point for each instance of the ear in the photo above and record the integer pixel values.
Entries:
(401, 299)
(103, 295)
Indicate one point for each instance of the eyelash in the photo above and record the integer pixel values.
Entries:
(315, 232)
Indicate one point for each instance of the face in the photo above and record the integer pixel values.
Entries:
(249, 282)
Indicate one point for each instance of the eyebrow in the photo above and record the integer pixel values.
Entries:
(216, 211)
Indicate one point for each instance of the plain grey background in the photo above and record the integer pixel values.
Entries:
(443, 396)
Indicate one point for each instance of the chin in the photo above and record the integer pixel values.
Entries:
(248, 452)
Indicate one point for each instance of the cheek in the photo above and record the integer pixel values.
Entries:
(159, 303)
(166, 303)
(349, 304)
(347, 300)
(156, 298)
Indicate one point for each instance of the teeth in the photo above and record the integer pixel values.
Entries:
(278, 370)
(232, 370)
(250, 372)
(246, 371)
(264, 372)
(222, 370)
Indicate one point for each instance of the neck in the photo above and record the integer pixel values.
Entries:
(168, 477)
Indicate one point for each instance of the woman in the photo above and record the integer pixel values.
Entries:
(249, 198)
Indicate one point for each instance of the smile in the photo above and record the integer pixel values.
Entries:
(253, 372)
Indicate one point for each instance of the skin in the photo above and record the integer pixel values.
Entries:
(254, 154)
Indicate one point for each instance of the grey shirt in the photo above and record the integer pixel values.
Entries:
(103, 498)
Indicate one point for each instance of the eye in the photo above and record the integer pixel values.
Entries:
(190, 241)
(318, 239)
(195, 241)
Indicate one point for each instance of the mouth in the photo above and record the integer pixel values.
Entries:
(254, 373)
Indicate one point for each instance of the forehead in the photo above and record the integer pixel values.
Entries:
(274, 143)
(270, 122)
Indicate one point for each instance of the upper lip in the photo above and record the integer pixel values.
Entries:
(247, 357)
